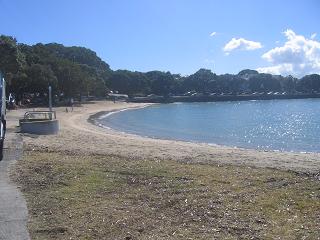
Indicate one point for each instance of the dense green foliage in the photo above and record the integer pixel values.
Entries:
(71, 71)
(11, 58)
(76, 71)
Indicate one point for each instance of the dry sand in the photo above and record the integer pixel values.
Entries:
(79, 136)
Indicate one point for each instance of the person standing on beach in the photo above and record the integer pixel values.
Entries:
(71, 103)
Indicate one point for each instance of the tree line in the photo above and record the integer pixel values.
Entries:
(77, 71)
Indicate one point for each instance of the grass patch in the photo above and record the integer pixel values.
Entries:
(105, 197)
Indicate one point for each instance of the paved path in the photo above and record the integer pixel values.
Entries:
(13, 209)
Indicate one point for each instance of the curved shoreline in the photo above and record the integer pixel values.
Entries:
(93, 119)
(78, 135)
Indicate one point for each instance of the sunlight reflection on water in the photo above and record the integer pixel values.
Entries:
(290, 125)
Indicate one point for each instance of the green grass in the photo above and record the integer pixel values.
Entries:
(105, 197)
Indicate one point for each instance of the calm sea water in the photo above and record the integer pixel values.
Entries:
(290, 125)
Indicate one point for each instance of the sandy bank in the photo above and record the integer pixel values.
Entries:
(79, 136)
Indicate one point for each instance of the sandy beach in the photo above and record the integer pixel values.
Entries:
(89, 182)
(80, 136)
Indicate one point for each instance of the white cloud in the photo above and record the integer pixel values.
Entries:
(213, 34)
(313, 35)
(298, 56)
(241, 44)
(283, 69)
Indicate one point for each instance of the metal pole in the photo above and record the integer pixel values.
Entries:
(50, 99)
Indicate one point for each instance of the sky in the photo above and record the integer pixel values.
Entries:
(180, 36)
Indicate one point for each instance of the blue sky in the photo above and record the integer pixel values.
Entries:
(174, 35)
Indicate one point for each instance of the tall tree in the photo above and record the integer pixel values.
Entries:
(11, 59)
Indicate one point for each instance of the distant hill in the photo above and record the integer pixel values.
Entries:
(71, 71)
(79, 55)
(75, 71)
